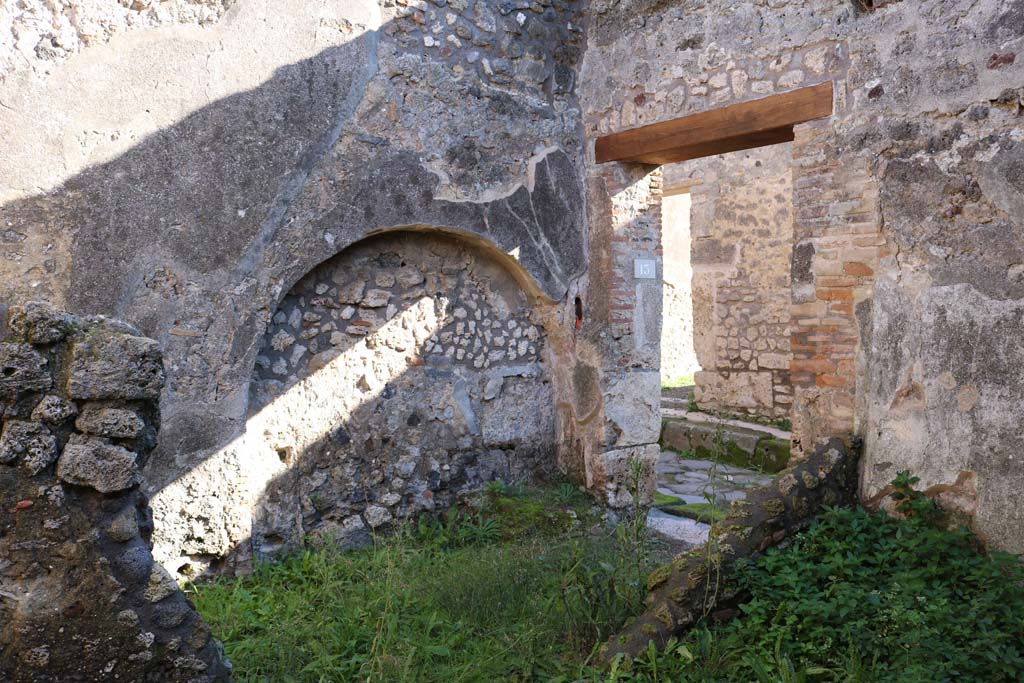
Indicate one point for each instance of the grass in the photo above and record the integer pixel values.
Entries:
(677, 381)
(521, 590)
(702, 512)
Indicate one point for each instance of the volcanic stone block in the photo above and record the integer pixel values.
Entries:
(54, 410)
(31, 442)
(113, 422)
(38, 323)
(160, 585)
(22, 369)
(95, 462)
(112, 365)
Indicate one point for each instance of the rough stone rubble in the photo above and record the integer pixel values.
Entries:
(187, 167)
(80, 593)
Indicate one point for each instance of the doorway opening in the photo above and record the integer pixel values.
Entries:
(727, 237)
(735, 168)
(679, 362)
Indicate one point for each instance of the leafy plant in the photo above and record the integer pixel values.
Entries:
(567, 494)
(857, 598)
(862, 597)
(911, 502)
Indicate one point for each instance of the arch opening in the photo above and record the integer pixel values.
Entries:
(395, 378)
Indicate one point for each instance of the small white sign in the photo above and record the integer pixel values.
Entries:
(645, 268)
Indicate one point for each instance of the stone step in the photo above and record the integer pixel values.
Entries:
(680, 529)
(743, 445)
(675, 403)
(708, 418)
(683, 394)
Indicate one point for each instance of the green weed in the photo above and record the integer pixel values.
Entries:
(857, 598)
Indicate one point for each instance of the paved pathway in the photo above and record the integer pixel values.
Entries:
(702, 481)
(698, 481)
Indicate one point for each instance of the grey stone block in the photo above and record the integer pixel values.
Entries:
(54, 410)
(22, 369)
(113, 422)
(38, 323)
(115, 366)
(31, 442)
(97, 463)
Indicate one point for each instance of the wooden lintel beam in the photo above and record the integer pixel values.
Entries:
(745, 125)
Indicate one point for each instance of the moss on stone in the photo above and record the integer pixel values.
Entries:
(773, 506)
(661, 499)
(772, 455)
(731, 455)
(701, 512)
(679, 595)
(683, 561)
(739, 510)
(786, 483)
(658, 576)
(664, 615)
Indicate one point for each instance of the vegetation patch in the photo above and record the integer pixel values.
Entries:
(522, 587)
(861, 597)
(707, 513)
(677, 381)
(858, 597)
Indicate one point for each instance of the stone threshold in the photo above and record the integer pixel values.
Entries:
(706, 418)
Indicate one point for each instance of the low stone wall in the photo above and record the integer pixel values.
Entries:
(81, 598)
(696, 582)
(728, 443)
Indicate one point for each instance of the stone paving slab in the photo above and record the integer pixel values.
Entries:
(677, 528)
(671, 463)
(697, 481)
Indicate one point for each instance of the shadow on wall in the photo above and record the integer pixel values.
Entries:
(203, 196)
(194, 233)
(394, 378)
(200, 201)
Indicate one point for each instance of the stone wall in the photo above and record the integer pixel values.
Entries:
(81, 598)
(619, 340)
(906, 264)
(181, 165)
(742, 239)
(161, 170)
(405, 371)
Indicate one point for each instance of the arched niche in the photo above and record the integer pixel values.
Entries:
(409, 369)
